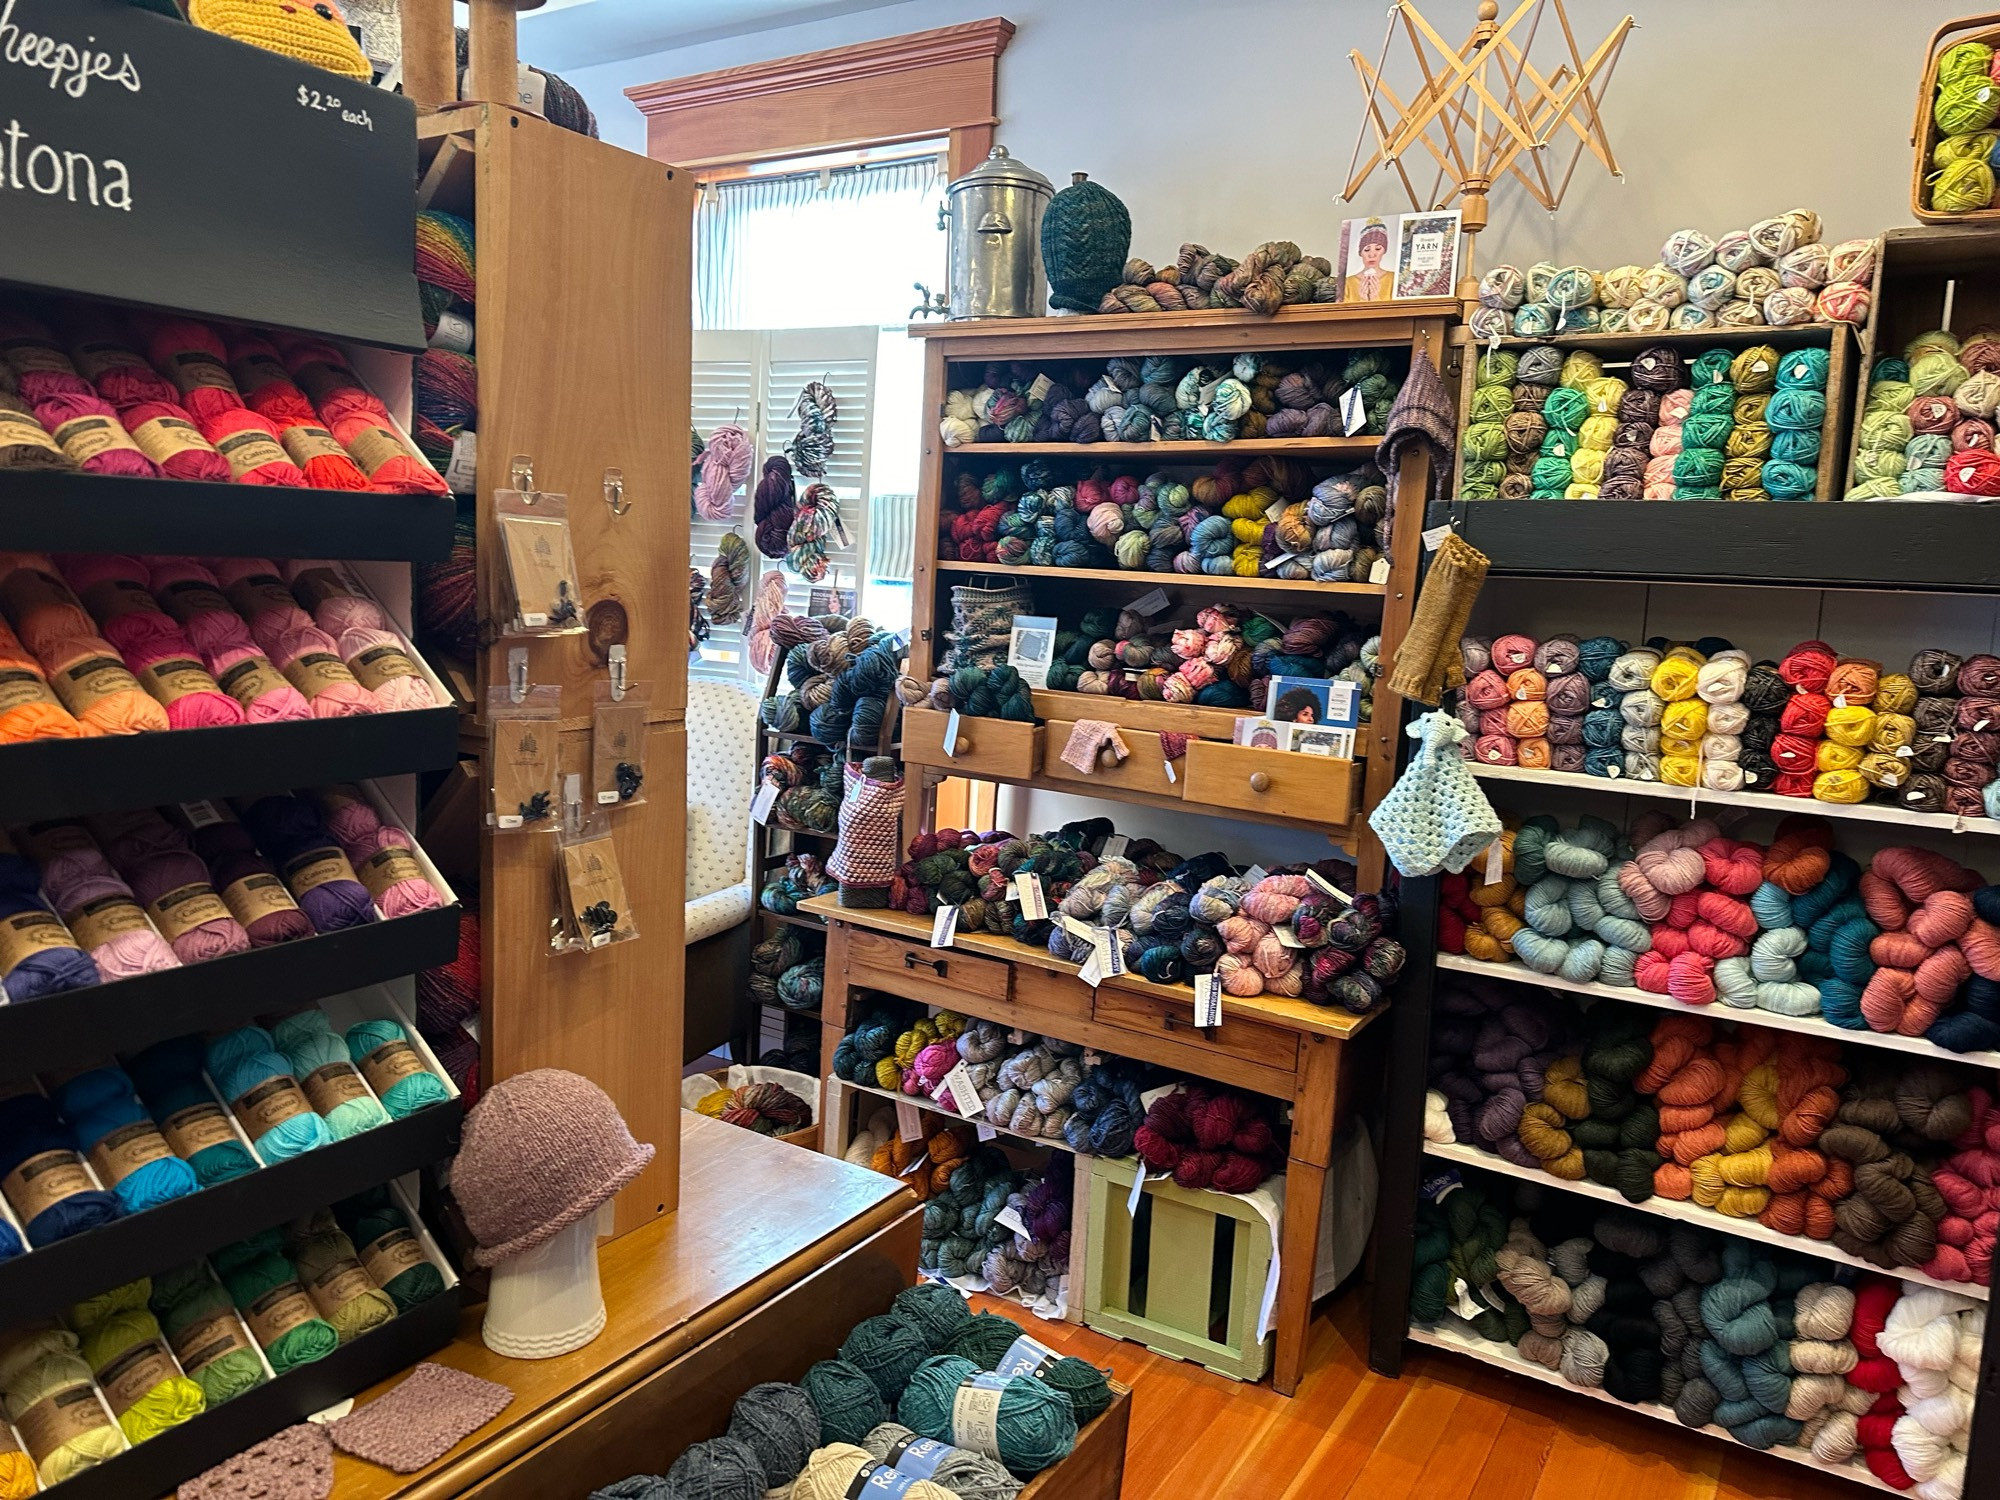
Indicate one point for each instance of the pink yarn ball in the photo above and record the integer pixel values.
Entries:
(391, 694)
(154, 875)
(78, 881)
(333, 700)
(183, 686)
(277, 702)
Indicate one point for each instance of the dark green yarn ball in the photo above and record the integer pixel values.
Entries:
(886, 1350)
(848, 1402)
(984, 1338)
(934, 1310)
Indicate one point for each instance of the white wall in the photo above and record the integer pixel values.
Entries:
(1234, 123)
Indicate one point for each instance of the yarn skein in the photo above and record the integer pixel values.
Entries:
(51, 1191)
(279, 1313)
(168, 1077)
(333, 1276)
(1032, 1426)
(50, 1398)
(207, 1337)
(334, 1086)
(264, 1096)
(388, 1247)
(127, 1352)
(122, 1141)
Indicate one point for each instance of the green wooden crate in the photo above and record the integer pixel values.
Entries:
(1183, 1276)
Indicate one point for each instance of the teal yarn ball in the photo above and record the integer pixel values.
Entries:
(168, 1076)
(1087, 1387)
(1785, 481)
(886, 1350)
(1697, 468)
(780, 1424)
(984, 1339)
(1034, 1428)
(723, 1468)
(847, 1401)
(1550, 476)
(1803, 369)
(411, 1092)
(935, 1310)
(1797, 408)
(316, 1056)
(245, 1060)
(1086, 235)
(1796, 446)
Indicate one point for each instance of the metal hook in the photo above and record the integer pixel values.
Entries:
(572, 804)
(517, 673)
(617, 655)
(521, 471)
(614, 491)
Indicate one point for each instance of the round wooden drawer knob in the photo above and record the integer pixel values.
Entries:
(1260, 781)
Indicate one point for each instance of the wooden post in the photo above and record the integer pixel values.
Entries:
(493, 70)
(430, 54)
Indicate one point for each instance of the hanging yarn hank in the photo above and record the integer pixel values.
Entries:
(723, 466)
(811, 448)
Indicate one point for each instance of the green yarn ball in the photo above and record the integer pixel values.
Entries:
(847, 1401)
(1086, 1386)
(1697, 468)
(1086, 235)
(886, 1350)
(983, 1339)
(935, 1310)
(1566, 407)
(1035, 1426)
(254, 1268)
(188, 1296)
(1550, 476)
(376, 1225)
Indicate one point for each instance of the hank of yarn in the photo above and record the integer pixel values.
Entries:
(205, 1333)
(41, 1372)
(168, 1077)
(125, 1147)
(127, 1352)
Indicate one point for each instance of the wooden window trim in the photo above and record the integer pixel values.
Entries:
(901, 88)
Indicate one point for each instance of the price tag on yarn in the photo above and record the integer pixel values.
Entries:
(765, 800)
(1434, 538)
(1905, 752)
(1329, 887)
(1147, 1099)
(1172, 775)
(1074, 927)
(1018, 1037)
(470, 1026)
(964, 1093)
(1039, 387)
(461, 475)
(1285, 936)
(944, 926)
(1279, 561)
(916, 1166)
(531, 89)
(1110, 952)
(1150, 604)
(1612, 773)
(1010, 1218)
(1092, 1059)
(1275, 509)
(1840, 700)
(1138, 1190)
(1379, 572)
(1255, 873)
(909, 1121)
(1353, 411)
(1207, 1000)
(1028, 891)
(986, 1132)
(202, 814)
(1465, 1307)
(1092, 972)
(951, 734)
(1116, 845)
(840, 533)
(1493, 857)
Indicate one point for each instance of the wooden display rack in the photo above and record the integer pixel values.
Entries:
(1218, 778)
(561, 293)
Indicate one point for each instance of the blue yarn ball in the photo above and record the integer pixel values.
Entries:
(48, 971)
(29, 1127)
(245, 1060)
(101, 1102)
(168, 1075)
(1035, 1426)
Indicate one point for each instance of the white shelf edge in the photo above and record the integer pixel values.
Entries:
(1505, 1358)
(1700, 797)
(1460, 963)
(1460, 1154)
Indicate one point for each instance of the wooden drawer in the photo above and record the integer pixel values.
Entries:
(917, 971)
(1154, 1015)
(1144, 770)
(1310, 788)
(997, 747)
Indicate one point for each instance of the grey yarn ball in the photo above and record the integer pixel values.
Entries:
(968, 1475)
(720, 1469)
(780, 1424)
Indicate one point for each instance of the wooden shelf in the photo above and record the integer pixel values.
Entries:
(1329, 317)
(1699, 797)
(1877, 544)
(791, 921)
(1459, 963)
(1296, 447)
(1278, 1010)
(1202, 582)
(1680, 338)
(1463, 1155)
(1504, 1357)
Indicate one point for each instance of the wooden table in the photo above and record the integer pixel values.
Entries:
(1288, 1049)
(774, 1253)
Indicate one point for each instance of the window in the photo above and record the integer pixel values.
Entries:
(778, 257)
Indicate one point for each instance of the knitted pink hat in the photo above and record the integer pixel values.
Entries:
(541, 1150)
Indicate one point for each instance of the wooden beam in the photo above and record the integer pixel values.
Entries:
(901, 88)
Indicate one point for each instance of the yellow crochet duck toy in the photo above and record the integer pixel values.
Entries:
(313, 31)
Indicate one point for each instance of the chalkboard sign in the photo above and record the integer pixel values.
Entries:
(146, 161)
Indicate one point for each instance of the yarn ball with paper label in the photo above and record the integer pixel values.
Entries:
(413, 1091)
(1435, 818)
(1034, 1426)
(320, 1062)
(968, 1475)
(40, 1363)
(64, 1200)
(254, 1077)
(540, 1151)
(386, 1240)
(252, 1271)
(102, 1108)
(321, 1252)
(315, 34)
(170, 1400)
(1086, 1386)
(168, 1076)
(841, 1469)
(185, 1300)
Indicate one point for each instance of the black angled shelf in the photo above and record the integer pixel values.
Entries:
(50, 511)
(1938, 545)
(50, 1279)
(72, 1027)
(62, 778)
(158, 1465)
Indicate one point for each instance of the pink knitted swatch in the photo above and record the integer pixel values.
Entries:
(419, 1421)
(297, 1464)
(1090, 738)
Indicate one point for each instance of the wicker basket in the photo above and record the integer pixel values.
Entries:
(1923, 132)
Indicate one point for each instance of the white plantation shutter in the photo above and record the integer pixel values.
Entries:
(724, 391)
(754, 378)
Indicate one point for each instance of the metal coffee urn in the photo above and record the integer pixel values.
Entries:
(994, 215)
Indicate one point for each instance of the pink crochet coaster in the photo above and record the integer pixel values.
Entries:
(420, 1419)
(297, 1464)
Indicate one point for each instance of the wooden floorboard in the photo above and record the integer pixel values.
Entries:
(1450, 1429)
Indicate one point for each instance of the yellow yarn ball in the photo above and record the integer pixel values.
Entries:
(1596, 432)
(1680, 770)
(38, 1364)
(714, 1104)
(830, 1472)
(17, 1475)
(1580, 491)
(1678, 675)
(1852, 725)
(1963, 186)
(1586, 465)
(1579, 368)
(1619, 286)
(1604, 393)
(147, 1393)
(1841, 786)
(1828, 756)
(1684, 720)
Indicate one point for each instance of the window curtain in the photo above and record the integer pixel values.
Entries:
(850, 249)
